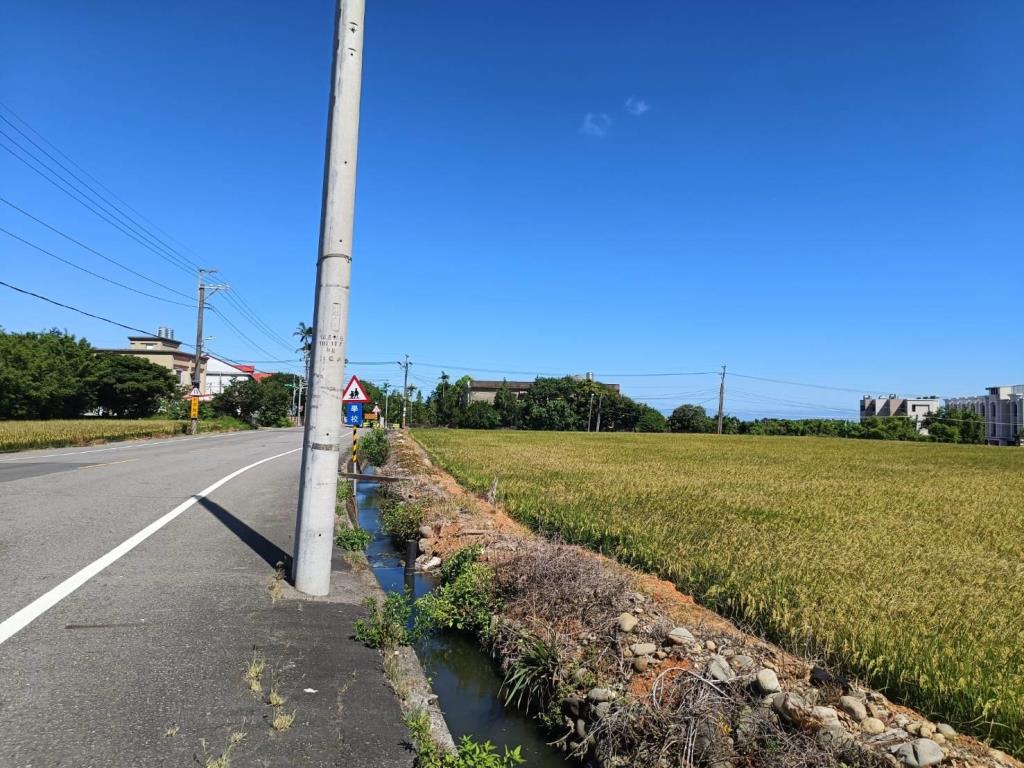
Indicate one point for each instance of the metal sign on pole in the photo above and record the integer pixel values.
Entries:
(354, 392)
(354, 414)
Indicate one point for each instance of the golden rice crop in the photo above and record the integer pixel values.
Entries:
(19, 435)
(902, 563)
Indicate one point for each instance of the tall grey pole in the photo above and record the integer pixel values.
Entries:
(590, 410)
(721, 401)
(196, 371)
(405, 390)
(600, 401)
(321, 445)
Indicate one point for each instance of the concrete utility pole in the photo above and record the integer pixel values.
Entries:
(590, 410)
(197, 375)
(721, 401)
(600, 401)
(405, 389)
(321, 444)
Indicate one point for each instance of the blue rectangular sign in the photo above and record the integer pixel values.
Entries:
(354, 414)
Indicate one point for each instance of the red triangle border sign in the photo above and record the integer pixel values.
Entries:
(354, 392)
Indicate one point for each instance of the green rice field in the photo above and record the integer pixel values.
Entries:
(901, 563)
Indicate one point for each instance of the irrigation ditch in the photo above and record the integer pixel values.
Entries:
(608, 667)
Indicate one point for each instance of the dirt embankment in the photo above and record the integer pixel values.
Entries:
(627, 670)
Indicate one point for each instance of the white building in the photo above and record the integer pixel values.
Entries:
(915, 408)
(1003, 409)
(220, 375)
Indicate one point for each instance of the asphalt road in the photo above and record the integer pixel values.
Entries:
(127, 614)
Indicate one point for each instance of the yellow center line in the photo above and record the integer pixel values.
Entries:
(106, 464)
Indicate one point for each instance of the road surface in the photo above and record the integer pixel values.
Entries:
(135, 589)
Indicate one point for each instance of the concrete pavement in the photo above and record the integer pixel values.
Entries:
(143, 663)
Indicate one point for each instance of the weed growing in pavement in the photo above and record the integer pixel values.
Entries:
(275, 699)
(283, 721)
(171, 732)
(254, 672)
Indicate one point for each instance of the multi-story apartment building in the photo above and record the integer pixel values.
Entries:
(915, 408)
(1003, 410)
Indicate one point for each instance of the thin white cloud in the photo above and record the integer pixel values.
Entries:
(637, 106)
(596, 124)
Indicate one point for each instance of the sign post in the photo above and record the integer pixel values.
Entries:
(194, 410)
(353, 400)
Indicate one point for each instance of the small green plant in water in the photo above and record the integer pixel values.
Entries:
(469, 754)
(386, 626)
(353, 539)
(400, 519)
(464, 600)
(373, 447)
(529, 678)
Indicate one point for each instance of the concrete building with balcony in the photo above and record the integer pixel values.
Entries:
(915, 408)
(481, 390)
(165, 351)
(1002, 409)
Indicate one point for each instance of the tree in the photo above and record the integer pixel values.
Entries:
(304, 333)
(953, 425)
(45, 375)
(262, 403)
(480, 415)
(651, 421)
(508, 406)
(689, 418)
(129, 387)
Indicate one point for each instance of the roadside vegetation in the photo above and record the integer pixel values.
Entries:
(23, 435)
(900, 563)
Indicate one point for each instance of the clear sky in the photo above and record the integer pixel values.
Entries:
(830, 193)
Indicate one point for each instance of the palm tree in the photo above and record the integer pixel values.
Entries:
(304, 333)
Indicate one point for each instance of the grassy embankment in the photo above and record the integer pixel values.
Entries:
(902, 563)
(22, 435)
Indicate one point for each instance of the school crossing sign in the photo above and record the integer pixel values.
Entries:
(354, 392)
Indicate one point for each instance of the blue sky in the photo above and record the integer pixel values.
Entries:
(815, 192)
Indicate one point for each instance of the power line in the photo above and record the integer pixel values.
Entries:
(68, 237)
(90, 272)
(75, 309)
(58, 184)
(97, 196)
(802, 384)
(237, 330)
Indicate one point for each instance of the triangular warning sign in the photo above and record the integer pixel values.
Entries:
(354, 392)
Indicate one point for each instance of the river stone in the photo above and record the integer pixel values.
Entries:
(640, 663)
(877, 710)
(660, 655)
(872, 725)
(627, 622)
(926, 730)
(643, 649)
(918, 753)
(946, 730)
(741, 662)
(426, 532)
(580, 675)
(426, 546)
(601, 694)
(720, 670)
(768, 681)
(602, 709)
(710, 645)
(827, 716)
(681, 636)
(432, 563)
(854, 707)
(789, 706)
(581, 728)
(938, 738)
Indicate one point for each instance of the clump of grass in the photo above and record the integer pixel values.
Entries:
(386, 626)
(254, 672)
(276, 586)
(171, 732)
(283, 721)
(275, 699)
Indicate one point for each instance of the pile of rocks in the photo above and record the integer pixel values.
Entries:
(838, 713)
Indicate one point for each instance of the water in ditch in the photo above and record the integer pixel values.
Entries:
(464, 678)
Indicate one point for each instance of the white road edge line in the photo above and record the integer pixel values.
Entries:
(39, 606)
(156, 441)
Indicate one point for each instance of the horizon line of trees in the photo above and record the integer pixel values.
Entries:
(572, 405)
